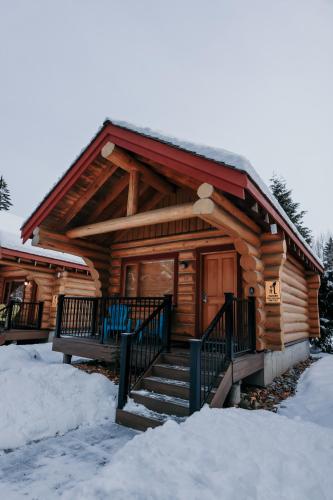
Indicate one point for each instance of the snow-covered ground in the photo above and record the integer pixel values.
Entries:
(41, 397)
(215, 454)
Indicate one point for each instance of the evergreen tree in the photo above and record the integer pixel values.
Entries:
(5, 202)
(279, 188)
(326, 301)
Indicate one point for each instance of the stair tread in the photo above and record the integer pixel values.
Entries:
(169, 381)
(143, 411)
(173, 367)
(162, 397)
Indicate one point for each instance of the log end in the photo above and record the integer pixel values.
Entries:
(107, 149)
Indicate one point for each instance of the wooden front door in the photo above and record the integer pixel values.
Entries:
(219, 276)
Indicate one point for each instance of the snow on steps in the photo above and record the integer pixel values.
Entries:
(161, 395)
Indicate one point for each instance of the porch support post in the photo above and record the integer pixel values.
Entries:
(195, 375)
(133, 193)
(60, 307)
(40, 315)
(229, 325)
(9, 316)
(94, 315)
(125, 352)
(252, 323)
(167, 328)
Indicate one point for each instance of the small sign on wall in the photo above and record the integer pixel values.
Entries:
(54, 300)
(273, 292)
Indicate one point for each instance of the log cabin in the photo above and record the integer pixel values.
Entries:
(31, 279)
(202, 280)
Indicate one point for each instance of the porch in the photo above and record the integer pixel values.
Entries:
(137, 333)
(21, 322)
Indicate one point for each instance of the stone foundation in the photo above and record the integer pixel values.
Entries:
(278, 362)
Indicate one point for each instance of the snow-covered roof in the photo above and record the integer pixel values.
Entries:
(10, 238)
(218, 155)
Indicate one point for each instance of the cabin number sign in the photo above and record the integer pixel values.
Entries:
(273, 292)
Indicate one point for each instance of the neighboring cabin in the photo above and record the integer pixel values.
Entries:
(32, 278)
(154, 216)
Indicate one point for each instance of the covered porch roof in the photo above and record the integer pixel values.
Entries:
(94, 185)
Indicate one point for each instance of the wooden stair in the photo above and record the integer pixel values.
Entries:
(162, 394)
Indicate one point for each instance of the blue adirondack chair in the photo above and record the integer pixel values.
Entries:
(117, 321)
(159, 327)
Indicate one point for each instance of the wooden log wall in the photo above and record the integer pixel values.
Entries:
(273, 255)
(70, 283)
(185, 246)
(295, 308)
(313, 282)
(252, 279)
(48, 285)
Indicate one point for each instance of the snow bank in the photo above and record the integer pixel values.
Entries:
(313, 401)
(232, 454)
(41, 397)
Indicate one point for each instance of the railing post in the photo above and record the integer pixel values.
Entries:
(94, 315)
(168, 317)
(125, 354)
(40, 315)
(252, 323)
(9, 315)
(60, 307)
(229, 325)
(195, 375)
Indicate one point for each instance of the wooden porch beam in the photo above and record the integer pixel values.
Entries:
(218, 217)
(123, 160)
(62, 243)
(88, 194)
(133, 193)
(206, 190)
(109, 198)
(148, 205)
(158, 216)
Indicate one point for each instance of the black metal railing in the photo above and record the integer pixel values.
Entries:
(140, 348)
(21, 316)
(231, 333)
(103, 319)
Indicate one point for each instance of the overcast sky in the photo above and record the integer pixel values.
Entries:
(254, 77)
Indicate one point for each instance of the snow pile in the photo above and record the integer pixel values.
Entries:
(232, 454)
(41, 397)
(313, 401)
(10, 237)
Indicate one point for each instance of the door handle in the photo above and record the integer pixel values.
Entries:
(204, 297)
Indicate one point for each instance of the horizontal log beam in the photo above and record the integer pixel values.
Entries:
(208, 210)
(206, 190)
(158, 216)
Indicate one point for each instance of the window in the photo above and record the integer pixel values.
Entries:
(14, 290)
(149, 278)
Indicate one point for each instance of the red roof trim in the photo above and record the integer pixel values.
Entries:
(64, 184)
(40, 258)
(224, 177)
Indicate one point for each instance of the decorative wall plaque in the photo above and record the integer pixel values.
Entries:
(273, 292)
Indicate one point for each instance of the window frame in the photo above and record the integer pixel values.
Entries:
(154, 257)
